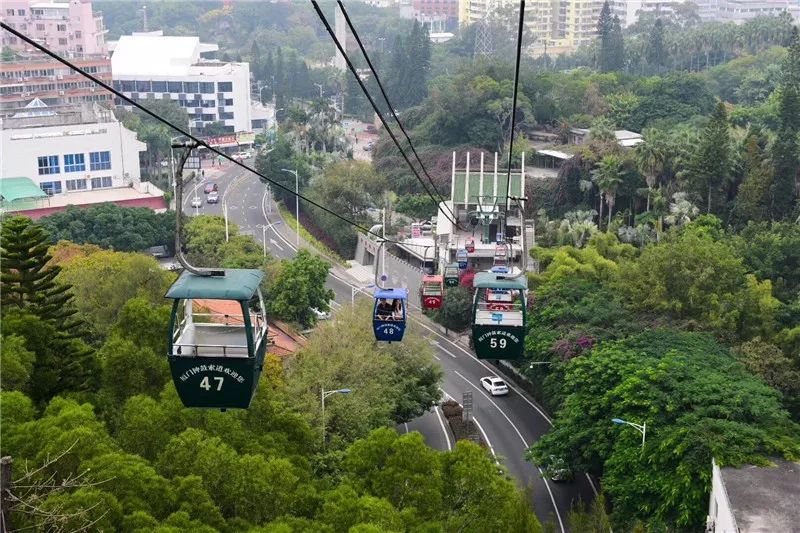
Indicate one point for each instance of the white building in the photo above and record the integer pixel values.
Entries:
(73, 150)
(151, 65)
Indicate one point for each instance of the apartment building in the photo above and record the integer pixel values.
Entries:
(70, 29)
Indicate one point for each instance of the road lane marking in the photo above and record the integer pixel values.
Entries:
(274, 243)
(524, 442)
(444, 429)
(486, 438)
(405, 425)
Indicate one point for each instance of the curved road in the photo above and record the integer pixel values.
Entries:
(510, 424)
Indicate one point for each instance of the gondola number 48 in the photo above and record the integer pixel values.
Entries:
(206, 384)
(494, 343)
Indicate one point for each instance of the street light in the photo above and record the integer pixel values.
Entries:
(354, 290)
(264, 228)
(532, 363)
(641, 428)
(324, 394)
(296, 204)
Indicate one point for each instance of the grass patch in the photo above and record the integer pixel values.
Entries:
(291, 223)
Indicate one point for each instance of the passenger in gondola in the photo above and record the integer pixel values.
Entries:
(384, 310)
(397, 310)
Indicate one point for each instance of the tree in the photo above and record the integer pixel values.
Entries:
(608, 177)
(130, 369)
(611, 55)
(61, 364)
(105, 280)
(650, 158)
(124, 229)
(280, 156)
(656, 55)
(153, 132)
(768, 362)
(711, 163)
(17, 363)
(752, 199)
(697, 401)
(693, 277)
(456, 309)
(29, 282)
(385, 386)
(786, 149)
(298, 286)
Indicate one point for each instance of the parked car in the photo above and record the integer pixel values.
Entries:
(197, 202)
(321, 315)
(557, 469)
(371, 129)
(213, 197)
(210, 187)
(494, 386)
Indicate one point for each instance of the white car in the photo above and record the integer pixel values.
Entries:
(494, 386)
(197, 202)
(321, 315)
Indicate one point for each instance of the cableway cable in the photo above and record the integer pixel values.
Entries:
(514, 102)
(188, 135)
(392, 111)
(374, 105)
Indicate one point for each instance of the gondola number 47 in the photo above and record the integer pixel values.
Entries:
(494, 343)
(206, 384)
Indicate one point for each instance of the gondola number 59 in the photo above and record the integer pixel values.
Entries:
(494, 343)
(206, 384)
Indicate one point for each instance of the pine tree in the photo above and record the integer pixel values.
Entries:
(603, 32)
(655, 49)
(396, 85)
(279, 73)
(268, 73)
(786, 151)
(710, 165)
(616, 46)
(28, 281)
(752, 199)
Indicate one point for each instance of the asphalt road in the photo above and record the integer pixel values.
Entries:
(509, 424)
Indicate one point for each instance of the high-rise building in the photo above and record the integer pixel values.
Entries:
(71, 30)
(556, 25)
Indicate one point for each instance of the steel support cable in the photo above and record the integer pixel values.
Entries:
(514, 102)
(392, 111)
(188, 135)
(374, 105)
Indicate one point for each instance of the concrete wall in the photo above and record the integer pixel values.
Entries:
(719, 508)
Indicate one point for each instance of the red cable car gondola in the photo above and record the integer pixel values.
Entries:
(431, 292)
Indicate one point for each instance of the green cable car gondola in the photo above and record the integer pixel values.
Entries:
(218, 330)
(218, 338)
(499, 315)
(451, 275)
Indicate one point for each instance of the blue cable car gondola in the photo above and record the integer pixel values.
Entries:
(389, 314)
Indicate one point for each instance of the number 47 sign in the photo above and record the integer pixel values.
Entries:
(206, 384)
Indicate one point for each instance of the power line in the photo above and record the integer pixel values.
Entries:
(180, 130)
(374, 105)
(514, 101)
(391, 108)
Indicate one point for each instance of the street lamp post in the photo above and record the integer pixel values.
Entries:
(322, 395)
(296, 204)
(320, 89)
(642, 428)
(354, 290)
(264, 228)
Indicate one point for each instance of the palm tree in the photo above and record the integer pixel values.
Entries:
(650, 160)
(681, 210)
(608, 176)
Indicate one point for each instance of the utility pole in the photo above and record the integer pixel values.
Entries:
(5, 494)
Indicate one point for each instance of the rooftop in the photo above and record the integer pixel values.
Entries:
(764, 499)
(37, 115)
(142, 194)
(145, 54)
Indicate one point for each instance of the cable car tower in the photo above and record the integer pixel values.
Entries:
(215, 355)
